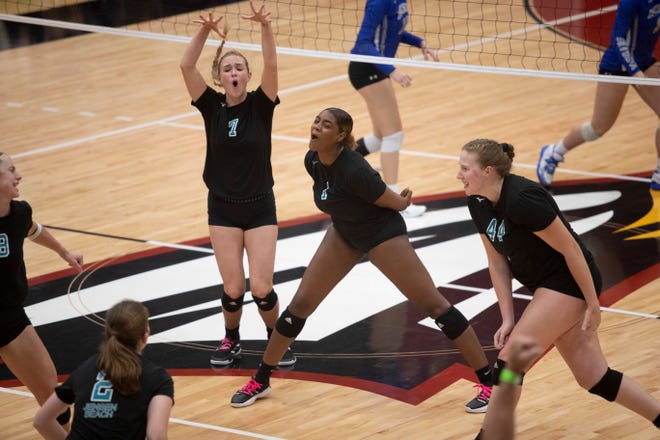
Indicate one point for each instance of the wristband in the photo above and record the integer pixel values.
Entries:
(36, 232)
(508, 376)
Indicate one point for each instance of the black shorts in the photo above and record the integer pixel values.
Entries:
(244, 214)
(372, 236)
(623, 72)
(364, 74)
(12, 323)
(566, 284)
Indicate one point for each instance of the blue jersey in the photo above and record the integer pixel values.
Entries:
(383, 28)
(633, 37)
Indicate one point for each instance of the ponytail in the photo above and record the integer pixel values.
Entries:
(126, 324)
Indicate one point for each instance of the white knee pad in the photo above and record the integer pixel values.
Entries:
(372, 143)
(392, 143)
(588, 132)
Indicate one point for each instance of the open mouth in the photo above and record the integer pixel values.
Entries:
(234, 83)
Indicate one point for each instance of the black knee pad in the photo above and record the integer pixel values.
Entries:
(64, 418)
(497, 369)
(452, 323)
(231, 304)
(608, 386)
(267, 302)
(360, 147)
(289, 325)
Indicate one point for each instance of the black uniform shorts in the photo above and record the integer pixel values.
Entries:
(371, 237)
(13, 321)
(364, 74)
(242, 213)
(565, 283)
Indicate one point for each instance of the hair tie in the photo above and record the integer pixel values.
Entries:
(505, 147)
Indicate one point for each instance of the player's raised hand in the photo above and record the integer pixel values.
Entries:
(259, 15)
(212, 23)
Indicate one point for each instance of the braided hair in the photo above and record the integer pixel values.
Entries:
(217, 60)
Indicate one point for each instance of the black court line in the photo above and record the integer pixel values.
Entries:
(205, 250)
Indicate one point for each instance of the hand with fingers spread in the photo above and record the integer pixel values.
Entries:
(258, 15)
(212, 24)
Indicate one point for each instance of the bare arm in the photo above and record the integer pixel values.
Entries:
(501, 277)
(392, 200)
(561, 240)
(45, 421)
(269, 82)
(158, 416)
(46, 239)
(499, 425)
(194, 80)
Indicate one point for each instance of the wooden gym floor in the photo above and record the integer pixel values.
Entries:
(111, 153)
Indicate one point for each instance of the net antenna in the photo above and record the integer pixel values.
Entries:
(536, 38)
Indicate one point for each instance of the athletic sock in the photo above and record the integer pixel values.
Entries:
(232, 333)
(263, 373)
(485, 375)
(559, 150)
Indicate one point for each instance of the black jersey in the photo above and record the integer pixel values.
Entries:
(101, 412)
(13, 230)
(526, 207)
(347, 190)
(238, 144)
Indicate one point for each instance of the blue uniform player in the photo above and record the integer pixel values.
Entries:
(381, 32)
(630, 53)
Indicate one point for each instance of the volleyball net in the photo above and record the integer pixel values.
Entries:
(551, 38)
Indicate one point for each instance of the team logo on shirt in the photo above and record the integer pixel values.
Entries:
(100, 406)
(365, 334)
